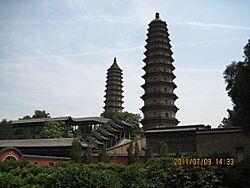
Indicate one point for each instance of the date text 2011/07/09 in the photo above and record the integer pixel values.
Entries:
(204, 161)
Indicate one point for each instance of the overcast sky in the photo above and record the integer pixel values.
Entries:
(54, 54)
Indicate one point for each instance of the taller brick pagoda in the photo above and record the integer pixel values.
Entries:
(159, 109)
(113, 98)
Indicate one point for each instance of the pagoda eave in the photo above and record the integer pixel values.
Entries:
(159, 83)
(148, 108)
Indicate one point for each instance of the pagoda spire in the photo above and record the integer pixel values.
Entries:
(113, 98)
(159, 109)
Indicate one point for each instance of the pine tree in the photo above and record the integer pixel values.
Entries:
(76, 150)
(148, 153)
(163, 149)
(103, 156)
(87, 158)
(6, 129)
(130, 151)
(137, 153)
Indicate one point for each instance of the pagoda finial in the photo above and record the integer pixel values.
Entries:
(157, 15)
(114, 59)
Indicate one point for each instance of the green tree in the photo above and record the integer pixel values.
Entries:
(87, 158)
(53, 129)
(148, 153)
(137, 153)
(130, 151)
(6, 129)
(237, 78)
(132, 119)
(37, 114)
(41, 114)
(163, 149)
(76, 150)
(26, 117)
(103, 156)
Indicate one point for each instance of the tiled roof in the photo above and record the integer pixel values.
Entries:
(57, 142)
(126, 124)
(170, 130)
(220, 130)
(26, 156)
(105, 132)
(92, 119)
(43, 120)
(115, 125)
(199, 129)
(40, 120)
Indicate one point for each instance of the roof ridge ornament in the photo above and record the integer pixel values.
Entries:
(157, 15)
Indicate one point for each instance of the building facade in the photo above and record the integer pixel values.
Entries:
(201, 140)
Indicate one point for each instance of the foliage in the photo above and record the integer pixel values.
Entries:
(132, 119)
(134, 176)
(87, 159)
(53, 129)
(137, 153)
(6, 129)
(26, 117)
(162, 173)
(37, 114)
(76, 150)
(237, 78)
(41, 114)
(163, 149)
(157, 172)
(130, 151)
(103, 156)
(148, 153)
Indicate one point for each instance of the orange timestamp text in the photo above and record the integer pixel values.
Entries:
(204, 161)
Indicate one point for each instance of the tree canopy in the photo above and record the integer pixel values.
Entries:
(6, 129)
(53, 129)
(37, 114)
(163, 149)
(133, 119)
(130, 151)
(237, 78)
(103, 155)
(76, 150)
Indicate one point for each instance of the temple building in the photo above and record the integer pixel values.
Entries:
(113, 98)
(96, 132)
(21, 140)
(159, 108)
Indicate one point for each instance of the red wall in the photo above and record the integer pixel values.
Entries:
(44, 162)
(11, 153)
